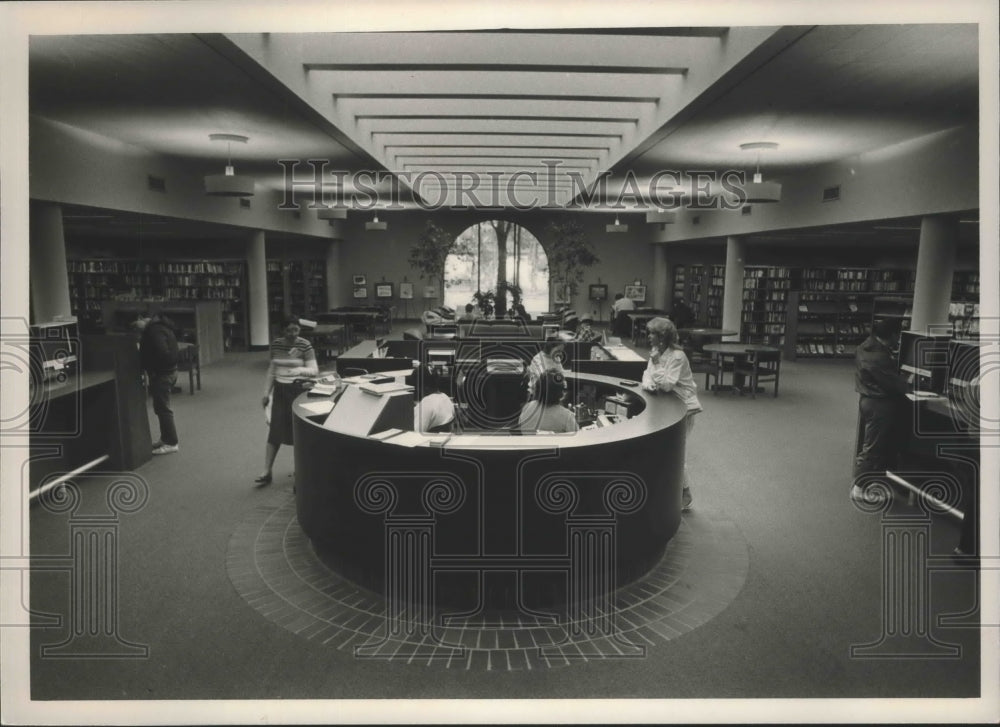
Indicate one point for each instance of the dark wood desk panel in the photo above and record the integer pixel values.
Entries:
(500, 515)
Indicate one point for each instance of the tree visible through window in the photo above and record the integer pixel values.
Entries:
(484, 251)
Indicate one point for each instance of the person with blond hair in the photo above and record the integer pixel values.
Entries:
(669, 370)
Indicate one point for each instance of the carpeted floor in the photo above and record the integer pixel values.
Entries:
(776, 471)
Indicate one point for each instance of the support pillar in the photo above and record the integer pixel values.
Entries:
(935, 267)
(660, 280)
(732, 295)
(332, 274)
(260, 336)
(47, 263)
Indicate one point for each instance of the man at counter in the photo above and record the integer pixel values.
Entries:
(882, 403)
(669, 370)
(545, 412)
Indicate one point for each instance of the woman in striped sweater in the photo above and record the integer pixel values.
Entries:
(292, 357)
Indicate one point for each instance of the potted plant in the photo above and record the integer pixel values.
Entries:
(569, 253)
(429, 252)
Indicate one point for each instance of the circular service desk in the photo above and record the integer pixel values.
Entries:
(496, 522)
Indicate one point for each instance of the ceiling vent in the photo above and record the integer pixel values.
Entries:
(156, 184)
(245, 204)
(696, 220)
(831, 194)
(746, 210)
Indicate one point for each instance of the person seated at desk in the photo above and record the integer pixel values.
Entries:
(471, 314)
(669, 370)
(681, 314)
(518, 313)
(551, 356)
(436, 411)
(545, 412)
(585, 332)
(621, 325)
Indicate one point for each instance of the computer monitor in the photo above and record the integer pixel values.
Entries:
(926, 357)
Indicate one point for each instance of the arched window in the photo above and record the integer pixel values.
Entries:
(474, 264)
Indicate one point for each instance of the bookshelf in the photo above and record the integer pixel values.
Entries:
(695, 290)
(93, 282)
(679, 283)
(765, 298)
(826, 324)
(295, 287)
(713, 296)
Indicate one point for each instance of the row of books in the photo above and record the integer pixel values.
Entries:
(825, 349)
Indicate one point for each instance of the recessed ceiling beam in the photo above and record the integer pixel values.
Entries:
(490, 146)
(513, 153)
(501, 97)
(498, 67)
(496, 117)
(494, 133)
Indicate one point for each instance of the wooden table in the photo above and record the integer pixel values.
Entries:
(733, 351)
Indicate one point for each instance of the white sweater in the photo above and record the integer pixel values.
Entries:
(672, 373)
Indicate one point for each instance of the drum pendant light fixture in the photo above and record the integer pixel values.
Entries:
(758, 191)
(616, 227)
(376, 225)
(331, 213)
(229, 184)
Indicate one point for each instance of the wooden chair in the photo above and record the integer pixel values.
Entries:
(701, 363)
(760, 366)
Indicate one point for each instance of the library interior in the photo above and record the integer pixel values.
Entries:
(589, 311)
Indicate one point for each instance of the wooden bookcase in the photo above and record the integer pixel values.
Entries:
(765, 298)
(295, 287)
(714, 289)
(139, 282)
(824, 324)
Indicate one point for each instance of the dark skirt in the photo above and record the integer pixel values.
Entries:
(283, 395)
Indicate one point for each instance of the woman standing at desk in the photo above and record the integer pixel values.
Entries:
(292, 357)
(545, 413)
(669, 370)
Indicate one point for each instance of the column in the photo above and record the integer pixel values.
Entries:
(660, 281)
(333, 274)
(47, 259)
(732, 295)
(935, 267)
(257, 290)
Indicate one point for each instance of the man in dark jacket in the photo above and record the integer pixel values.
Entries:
(158, 355)
(882, 406)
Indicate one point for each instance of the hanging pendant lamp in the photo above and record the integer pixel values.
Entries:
(229, 184)
(758, 191)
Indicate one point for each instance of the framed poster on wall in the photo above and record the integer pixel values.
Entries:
(406, 291)
(360, 291)
(636, 293)
(561, 293)
(598, 291)
(383, 290)
(360, 280)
